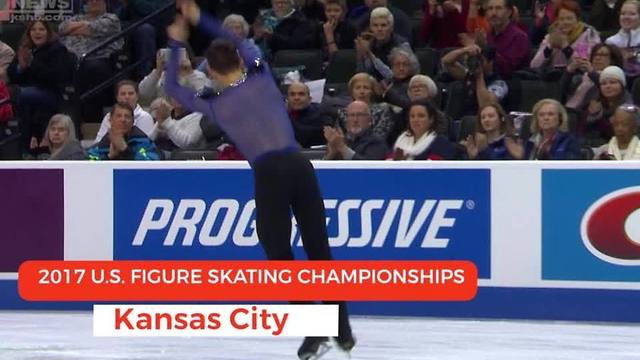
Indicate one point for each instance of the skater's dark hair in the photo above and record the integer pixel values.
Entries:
(222, 56)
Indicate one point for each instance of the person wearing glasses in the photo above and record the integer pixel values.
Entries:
(363, 87)
(624, 145)
(359, 142)
(578, 82)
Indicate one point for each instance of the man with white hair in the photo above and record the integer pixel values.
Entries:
(373, 47)
(360, 16)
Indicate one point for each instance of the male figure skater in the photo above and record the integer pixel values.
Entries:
(250, 109)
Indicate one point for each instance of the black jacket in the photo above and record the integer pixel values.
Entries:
(308, 124)
(368, 146)
(52, 67)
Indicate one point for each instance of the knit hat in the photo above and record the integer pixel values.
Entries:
(613, 72)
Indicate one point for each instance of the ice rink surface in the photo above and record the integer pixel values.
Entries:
(68, 336)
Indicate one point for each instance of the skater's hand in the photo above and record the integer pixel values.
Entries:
(190, 10)
(179, 30)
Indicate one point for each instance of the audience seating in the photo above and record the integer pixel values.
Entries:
(310, 59)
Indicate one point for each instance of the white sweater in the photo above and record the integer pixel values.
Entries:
(185, 133)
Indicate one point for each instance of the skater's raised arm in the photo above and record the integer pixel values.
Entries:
(213, 27)
(178, 34)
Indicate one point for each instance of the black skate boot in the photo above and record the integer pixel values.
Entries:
(345, 342)
(313, 348)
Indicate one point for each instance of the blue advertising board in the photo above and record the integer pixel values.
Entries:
(426, 214)
(590, 225)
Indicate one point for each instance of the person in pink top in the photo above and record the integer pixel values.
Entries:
(568, 38)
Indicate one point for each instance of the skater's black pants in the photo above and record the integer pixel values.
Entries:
(285, 182)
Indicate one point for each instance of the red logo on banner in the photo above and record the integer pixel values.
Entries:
(611, 226)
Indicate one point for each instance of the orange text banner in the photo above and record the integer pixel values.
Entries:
(247, 280)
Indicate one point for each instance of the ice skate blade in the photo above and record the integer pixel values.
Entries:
(322, 349)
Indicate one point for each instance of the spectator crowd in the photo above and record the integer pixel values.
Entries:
(405, 80)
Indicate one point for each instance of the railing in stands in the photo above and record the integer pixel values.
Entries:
(96, 89)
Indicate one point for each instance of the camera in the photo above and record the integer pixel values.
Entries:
(473, 62)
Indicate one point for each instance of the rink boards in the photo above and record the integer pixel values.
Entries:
(550, 240)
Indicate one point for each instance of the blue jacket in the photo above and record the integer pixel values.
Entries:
(565, 147)
(140, 148)
(496, 150)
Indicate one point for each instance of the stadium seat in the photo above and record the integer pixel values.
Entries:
(10, 141)
(586, 153)
(310, 59)
(429, 61)
(416, 28)
(467, 127)
(635, 91)
(523, 94)
(11, 33)
(455, 100)
(411, 7)
(342, 66)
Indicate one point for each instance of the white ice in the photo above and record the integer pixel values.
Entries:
(68, 336)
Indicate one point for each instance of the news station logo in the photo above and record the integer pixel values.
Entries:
(31, 10)
(387, 214)
(591, 225)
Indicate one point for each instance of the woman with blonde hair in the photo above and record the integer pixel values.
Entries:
(362, 87)
(60, 138)
(550, 139)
